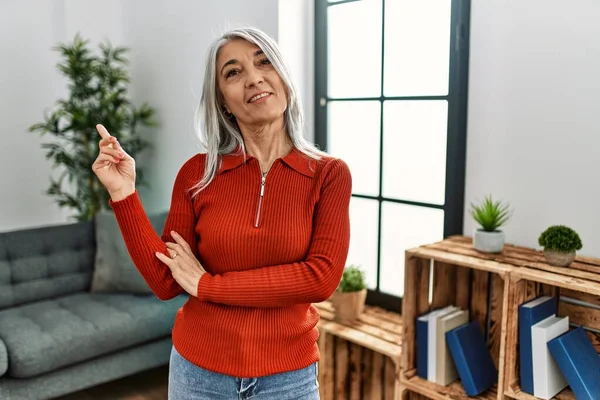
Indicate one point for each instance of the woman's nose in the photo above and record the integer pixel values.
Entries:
(253, 77)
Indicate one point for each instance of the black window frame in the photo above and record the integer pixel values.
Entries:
(457, 124)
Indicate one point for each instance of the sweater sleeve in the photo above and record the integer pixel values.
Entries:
(310, 281)
(141, 239)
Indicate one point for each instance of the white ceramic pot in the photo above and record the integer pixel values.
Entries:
(559, 259)
(489, 242)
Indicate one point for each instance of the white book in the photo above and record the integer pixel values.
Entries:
(432, 340)
(446, 372)
(547, 378)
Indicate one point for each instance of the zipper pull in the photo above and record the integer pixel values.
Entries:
(262, 187)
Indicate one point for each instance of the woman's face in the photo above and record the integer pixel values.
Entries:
(251, 87)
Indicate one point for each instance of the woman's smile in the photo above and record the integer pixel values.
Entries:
(260, 97)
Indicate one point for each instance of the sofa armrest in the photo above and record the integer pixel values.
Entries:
(3, 358)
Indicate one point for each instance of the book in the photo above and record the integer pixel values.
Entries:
(472, 358)
(422, 333)
(421, 329)
(578, 361)
(548, 380)
(445, 369)
(432, 341)
(530, 314)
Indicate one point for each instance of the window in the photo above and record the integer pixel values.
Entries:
(391, 100)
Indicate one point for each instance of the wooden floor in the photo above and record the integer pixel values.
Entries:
(148, 385)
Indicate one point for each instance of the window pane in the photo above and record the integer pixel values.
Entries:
(354, 47)
(417, 47)
(364, 219)
(354, 137)
(404, 227)
(414, 152)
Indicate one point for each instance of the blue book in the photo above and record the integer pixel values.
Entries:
(422, 346)
(472, 358)
(579, 363)
(530, 314)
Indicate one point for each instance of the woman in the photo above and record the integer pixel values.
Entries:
(257, 231)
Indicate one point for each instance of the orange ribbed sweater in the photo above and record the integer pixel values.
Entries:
(271, 247)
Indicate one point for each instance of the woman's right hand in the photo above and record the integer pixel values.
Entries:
(114, 167)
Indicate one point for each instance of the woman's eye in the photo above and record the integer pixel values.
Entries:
(265, 61)
(231, 72)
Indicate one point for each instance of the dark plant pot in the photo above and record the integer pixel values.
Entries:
(559, 259)
(348, 305)
(488, 242)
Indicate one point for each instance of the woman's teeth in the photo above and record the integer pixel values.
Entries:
(258, 96)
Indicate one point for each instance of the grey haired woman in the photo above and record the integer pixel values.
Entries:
(258, 230)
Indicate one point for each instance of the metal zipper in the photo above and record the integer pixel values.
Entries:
(260, 198)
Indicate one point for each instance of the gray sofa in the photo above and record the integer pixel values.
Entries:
(57, 337)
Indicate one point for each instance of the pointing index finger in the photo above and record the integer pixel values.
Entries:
(102, 131)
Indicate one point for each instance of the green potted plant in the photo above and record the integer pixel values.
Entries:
(350, 295)
(98, 87)
(560, 243)
(490, 215)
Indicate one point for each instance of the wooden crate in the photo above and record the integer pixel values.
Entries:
(360, 360)
(578, 289)
(515, 276)
(463, 277)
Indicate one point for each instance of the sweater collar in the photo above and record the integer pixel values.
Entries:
(295, 159)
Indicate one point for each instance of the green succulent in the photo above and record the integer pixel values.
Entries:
(560, 238)
(353, 280)
(490, 214)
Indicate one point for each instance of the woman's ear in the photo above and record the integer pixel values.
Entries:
(227, 113)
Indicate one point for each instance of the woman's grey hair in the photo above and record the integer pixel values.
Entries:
(221, 135)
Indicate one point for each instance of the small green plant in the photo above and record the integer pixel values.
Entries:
(353, 280)
(490, 214)
(560, 238)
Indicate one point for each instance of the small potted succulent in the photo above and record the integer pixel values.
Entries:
(350, 295)
(490, 215)
(560, 244)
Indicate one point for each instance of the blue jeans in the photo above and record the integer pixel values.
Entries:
(187, 381)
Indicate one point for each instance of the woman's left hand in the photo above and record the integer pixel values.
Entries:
(185, 268)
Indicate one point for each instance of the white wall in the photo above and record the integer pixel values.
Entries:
(533, 133)
(168, 40)
(296, 40)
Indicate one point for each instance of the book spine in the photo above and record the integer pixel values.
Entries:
(422, 349)
(431, 348)
(525, 352)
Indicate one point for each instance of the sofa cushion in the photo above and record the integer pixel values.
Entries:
(50, 334)
(3, 358)
(47, 262)
(114, 271)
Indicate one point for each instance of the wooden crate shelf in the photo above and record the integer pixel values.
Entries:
(578, 298)
(464, 277)
(360, 360)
